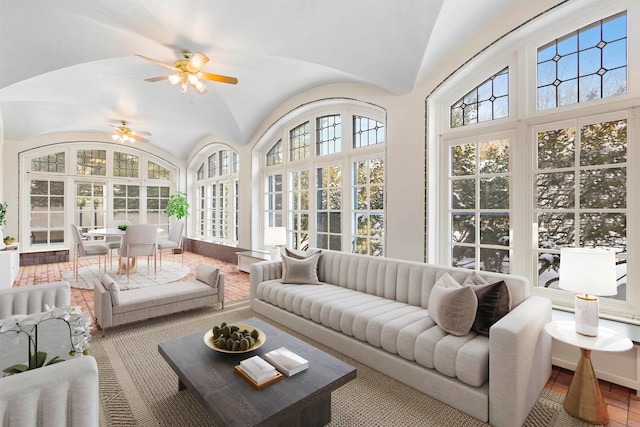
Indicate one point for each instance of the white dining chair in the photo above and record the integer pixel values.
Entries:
(173, 241)
(139, 240)
(82, 249)
(113, 242)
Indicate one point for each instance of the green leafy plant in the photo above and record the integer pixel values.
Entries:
(3, 213)
(178, 205)
(123, 226)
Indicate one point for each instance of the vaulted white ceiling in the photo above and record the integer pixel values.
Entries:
(69, 65)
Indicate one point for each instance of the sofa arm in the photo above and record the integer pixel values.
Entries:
(102, 305)
(221, 288)
(261, 271)
(59, 395)
(519, 361)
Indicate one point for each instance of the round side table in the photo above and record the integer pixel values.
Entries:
(584, 399)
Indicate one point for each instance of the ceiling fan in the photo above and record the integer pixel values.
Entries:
(125, 134)
(187, 72)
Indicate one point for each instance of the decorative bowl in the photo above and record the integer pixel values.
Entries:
(208, 340)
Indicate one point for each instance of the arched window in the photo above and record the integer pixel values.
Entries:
(331, 196)
(89, 184)
(216, 195)
(554, 171)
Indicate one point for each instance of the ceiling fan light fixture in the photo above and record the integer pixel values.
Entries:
(193, 79)
(174, 79)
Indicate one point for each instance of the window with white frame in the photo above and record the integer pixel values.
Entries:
(561, 178)
(89, 184)
(216, 196)
(330, 197)
(479, 204)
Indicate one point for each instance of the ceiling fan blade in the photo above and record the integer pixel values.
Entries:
(218, 78)
(138, 138)
(197, 61)
(171, 67)
(156, 79)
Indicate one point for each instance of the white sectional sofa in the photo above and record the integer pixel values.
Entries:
(113, 307)
(375, 311)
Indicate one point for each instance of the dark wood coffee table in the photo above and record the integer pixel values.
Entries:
(301, 400)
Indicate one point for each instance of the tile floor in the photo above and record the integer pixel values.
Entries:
(622, 403)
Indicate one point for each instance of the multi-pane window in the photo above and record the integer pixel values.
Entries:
(487, 101)
(329, 207)
(216, 196)
(328, 135)
(50, 163)
(157, 200)
(126, 202)
(273, 198)
(479, 204)
(213, 165)
(158, 172)
(368, 207)
(125, 165)
(224, 162)
(274, 155)
(85, 184)
(309, 191)
(299, 209)
(201, 210)
(235, 168)
(299, 142)
(46, 211)
(580, 193)
(90, 205)
(589, 63)
(92, 162)
(367, 132)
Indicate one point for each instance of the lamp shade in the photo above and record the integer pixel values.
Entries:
(275, 236)
(588, 271)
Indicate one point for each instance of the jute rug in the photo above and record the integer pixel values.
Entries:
(138, 388)
(87, 276)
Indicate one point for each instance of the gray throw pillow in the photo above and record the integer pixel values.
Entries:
(452, 306)
(494, 302)
(300, 271)
(207, 274)
(113, 287)
(294, 253)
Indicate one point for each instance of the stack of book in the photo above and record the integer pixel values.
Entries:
(286, 361)
(259, 370)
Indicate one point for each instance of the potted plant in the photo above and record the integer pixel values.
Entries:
(3, 221)
(178, 205)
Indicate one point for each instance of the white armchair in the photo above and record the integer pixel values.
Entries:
(60, 395)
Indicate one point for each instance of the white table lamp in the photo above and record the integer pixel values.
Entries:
(275, 237)
(588, 272)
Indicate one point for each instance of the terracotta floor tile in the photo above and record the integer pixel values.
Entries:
(617, 414)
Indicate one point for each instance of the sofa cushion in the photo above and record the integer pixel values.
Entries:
(452, 306)
(113, 287)
(207, 274)
(300, 271)
(154, 296)
(494, 303)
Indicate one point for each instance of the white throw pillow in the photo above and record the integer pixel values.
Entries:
(208, 274)
(300, 271)
(452, 306)
(113, 287)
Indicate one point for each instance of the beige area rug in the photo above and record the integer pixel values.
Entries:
(138, 388)
(87, 276)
